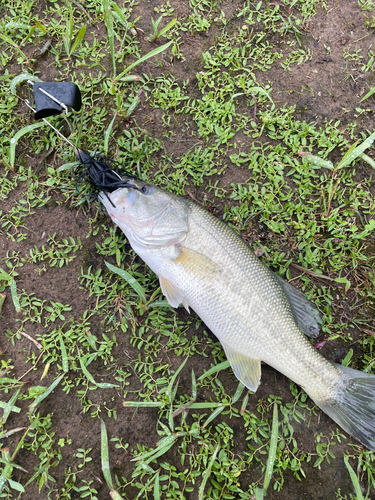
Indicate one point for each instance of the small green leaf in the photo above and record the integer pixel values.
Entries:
(16, 486)
(4, 276)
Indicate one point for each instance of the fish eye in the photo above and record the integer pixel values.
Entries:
(146, 189)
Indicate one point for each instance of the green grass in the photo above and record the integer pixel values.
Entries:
(186, 122)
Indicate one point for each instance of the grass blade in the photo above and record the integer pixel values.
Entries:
(107, 134)
(208, 472)
(4, 276)
(41, 26)
(369, 94)
(21, 78)
(13, 25)
(354, 478)
(244, 403)
(6, 434)
(7, 39)
(273, 447)
(47, 392)
(87, 374)
(108, 20)
(29, 35)
(16, 409)
(153, 53)
(6, 462)
(369, 160)
(168, 27)
(2, 300)
(69, 25)
(90, 378)
(221, 366)
(105, 456)
(64, 356)
(15, 139)
(193, 386)
(204, 406)
(170, 385)
(5, 475)
(157, 487)
(160, 450)
(143, 404)
(134, 104)
(213, 415)
(115, 495)
(354, 152)
(259, 494)
(9, 406)
(238, 393)
(13, 291)
(45, 371)
(120, 17)
(78, 40)
(261, 91)
(131, 78)
(138, 288)
(348, 358)
(316, 161)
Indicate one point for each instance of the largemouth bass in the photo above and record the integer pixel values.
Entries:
(257, 316)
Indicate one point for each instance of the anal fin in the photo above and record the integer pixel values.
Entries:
(246, 369)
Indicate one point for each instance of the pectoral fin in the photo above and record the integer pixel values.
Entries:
(173, 294)
(305, 313)
(196, 262)
(246, 369)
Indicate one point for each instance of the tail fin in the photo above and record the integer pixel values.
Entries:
(353, 406)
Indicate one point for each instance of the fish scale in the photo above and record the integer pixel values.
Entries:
(203, 264)
(244, 305)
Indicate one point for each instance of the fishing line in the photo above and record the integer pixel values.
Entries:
(52, 98)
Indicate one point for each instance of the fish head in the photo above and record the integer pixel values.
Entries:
(148, 215)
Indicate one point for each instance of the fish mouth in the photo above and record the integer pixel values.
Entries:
(124, 197)
(118, 203)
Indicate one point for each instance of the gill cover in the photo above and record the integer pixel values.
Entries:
(149, 216)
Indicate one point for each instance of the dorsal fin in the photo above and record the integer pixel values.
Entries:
(305, 313)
